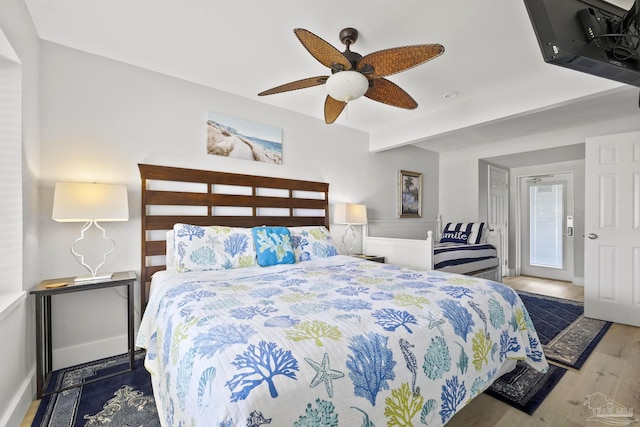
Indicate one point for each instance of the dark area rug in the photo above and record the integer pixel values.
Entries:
(567, 337)
(122, 400)
(524, 388)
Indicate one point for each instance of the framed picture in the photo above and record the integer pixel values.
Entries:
(410, 194)
(243, 139)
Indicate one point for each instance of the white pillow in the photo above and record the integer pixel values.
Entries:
(483, 235)
(169, 257)
(312, 242)
(212, 248)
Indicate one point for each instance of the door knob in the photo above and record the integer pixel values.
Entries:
(592, 236)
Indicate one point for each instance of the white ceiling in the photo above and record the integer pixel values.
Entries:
(491, 60)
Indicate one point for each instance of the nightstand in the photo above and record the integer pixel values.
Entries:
(373, 258)
(44, 346)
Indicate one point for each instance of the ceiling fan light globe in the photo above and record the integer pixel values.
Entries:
(346, 86)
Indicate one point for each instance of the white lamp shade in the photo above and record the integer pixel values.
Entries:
(346, 86)
(81, 202)
(350, 213)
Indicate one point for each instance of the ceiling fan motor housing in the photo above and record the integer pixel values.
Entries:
(348, 36)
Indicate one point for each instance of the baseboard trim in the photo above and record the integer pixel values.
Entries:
(18, 407)
(579, 281)
(86, 352)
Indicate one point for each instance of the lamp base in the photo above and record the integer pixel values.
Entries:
(80, 258)
(344, 238)
(97, 278)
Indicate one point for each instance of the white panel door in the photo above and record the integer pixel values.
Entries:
(612, 228)
(498, 214)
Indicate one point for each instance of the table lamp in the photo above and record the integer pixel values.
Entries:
(350, 214)
(90, 203)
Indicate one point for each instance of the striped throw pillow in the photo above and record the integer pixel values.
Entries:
(462, 232)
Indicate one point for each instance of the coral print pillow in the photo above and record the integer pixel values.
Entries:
(312, 242)
(273, 245)
(212, 248)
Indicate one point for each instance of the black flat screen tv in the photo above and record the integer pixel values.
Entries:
(590, 36)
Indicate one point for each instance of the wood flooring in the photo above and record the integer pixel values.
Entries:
(612, 369)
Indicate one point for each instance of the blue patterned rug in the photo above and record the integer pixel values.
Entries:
(567, 337)
(524, 388)
(122, 400)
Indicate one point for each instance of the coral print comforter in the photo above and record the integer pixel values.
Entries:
(335, 341)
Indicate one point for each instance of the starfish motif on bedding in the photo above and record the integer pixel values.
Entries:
(435, 322)
(324, 373)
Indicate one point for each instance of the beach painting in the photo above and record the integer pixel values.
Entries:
(243, 139)
(410, 194)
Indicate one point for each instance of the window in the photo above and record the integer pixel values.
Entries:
(10, 176)
(546, 202)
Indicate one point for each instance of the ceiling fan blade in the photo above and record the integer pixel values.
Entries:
(387, 92)
(332, 109)
(321, 50)
(397, 59)
(298, 84)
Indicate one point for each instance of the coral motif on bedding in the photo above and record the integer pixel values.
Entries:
(258, 365)
(212, 248)
(314, 331)
(333, 341)
(437, 360)
(370, 365)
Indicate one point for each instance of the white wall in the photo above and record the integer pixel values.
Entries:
(100, 118)
(20, 48)
(459, 169)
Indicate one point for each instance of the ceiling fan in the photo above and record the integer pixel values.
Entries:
(354, 75)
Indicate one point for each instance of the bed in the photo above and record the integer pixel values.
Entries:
(326, 340)
(471, 249)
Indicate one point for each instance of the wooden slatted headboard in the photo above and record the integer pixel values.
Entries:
(169, 196)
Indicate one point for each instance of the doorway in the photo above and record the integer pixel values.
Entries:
(498, 212)
(546, 226)
(612, 255)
